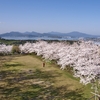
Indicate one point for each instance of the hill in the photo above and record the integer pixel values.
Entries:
(49, 35)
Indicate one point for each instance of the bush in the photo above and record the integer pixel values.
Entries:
(15, 49)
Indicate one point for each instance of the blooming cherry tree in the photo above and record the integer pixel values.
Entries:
(5, 49)
(82, 56)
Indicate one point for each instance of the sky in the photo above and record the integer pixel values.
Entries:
(50, 15)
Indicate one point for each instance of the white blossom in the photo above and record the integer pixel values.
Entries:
(83, 57)
(5, 49)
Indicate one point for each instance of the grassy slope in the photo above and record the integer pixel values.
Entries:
(24, 78)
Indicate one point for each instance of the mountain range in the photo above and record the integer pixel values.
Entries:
(49, 35)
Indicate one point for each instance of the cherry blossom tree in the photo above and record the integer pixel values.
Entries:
(5, 49)
(83, 56)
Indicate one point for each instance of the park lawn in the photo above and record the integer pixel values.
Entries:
(23, 77)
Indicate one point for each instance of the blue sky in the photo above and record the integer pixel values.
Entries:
(50, 15)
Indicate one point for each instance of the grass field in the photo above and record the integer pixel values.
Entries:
(22, 77)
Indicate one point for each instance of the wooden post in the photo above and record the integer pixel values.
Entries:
(43, 64)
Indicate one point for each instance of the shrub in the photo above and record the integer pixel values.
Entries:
(15, 49)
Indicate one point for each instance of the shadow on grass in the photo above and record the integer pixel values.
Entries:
(52, 93)
(46, 74)
(8, 91)
(31, 89)
(5, 73)
(39, 92)
(12, 65)
(4, 59)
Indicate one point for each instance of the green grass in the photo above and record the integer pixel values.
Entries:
(24, 78)
(17, 42)
(14, 42)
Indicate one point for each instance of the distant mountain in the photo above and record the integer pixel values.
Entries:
(11, 34)
(82, 35)
(32, 35)
(53, 34)
(78, 34)
(18, 34)
(73, 34)
(36, 34)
